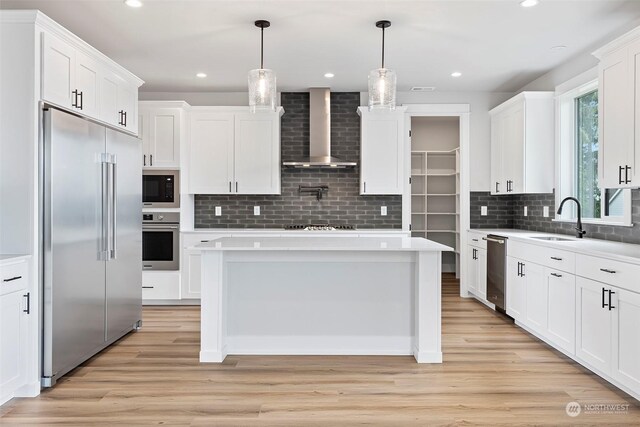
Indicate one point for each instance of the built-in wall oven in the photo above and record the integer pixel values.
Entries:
(161, 188)
(160, 241)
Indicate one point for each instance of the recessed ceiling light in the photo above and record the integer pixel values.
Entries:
(528, 3)
(329, 75)
(423, 89)
(456, 74)
(558, 48)
(133, 3)
(201, 75)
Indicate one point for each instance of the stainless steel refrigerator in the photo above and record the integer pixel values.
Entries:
(92, 243)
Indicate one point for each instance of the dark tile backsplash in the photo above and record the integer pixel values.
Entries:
(508, 212)
(341, 205)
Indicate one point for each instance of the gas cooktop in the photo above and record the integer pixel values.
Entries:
(318, 227)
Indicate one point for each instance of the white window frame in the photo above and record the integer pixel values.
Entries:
(566, 95)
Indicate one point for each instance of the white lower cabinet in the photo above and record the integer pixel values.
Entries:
(160, 285)
(537, 298)
(516, 292)
(594, 325)
(477, 271)
(626, 338)
(561, 309)
(14, 334)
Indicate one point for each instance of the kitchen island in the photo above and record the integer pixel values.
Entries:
(321, 295)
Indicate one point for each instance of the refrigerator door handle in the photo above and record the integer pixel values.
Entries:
(104, 164)
(114, 207)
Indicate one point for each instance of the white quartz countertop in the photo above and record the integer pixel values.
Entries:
(408, 244)
(283, 231)
(627, 252)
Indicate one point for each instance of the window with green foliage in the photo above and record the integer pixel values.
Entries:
(578, 151)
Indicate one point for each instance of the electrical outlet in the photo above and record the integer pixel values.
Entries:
(526, 211)
(218, 210)
(483, 211)
(256, 210)
(545, 211)
(383, 210)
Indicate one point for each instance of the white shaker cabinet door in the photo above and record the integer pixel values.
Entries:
(537, 297)
(513, 149)
(516, 288)
(594, 325)
(87, 85)
(58, 74)
(634, 160)
(163, 146)
(561, 288)
(13, 344)
(497, 136)
(257, 153)
(615, 119)
(211, 154)
(626, 337)
(481, 262)
(472, 270)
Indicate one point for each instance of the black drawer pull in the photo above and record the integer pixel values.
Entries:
(12, 279)
(556, 258)
(475, 240)
(606, 270)
(603, 303)
(610, 305)
(620, 175)
(147, 287)
(556, 275)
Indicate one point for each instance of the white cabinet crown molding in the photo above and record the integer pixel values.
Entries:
(521, 97)
(165, 104)
(620, 42)
(49, 25)
(227, 109)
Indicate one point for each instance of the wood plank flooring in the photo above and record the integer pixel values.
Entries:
(493, 374)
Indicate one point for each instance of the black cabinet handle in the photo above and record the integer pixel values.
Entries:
(497, 187)
(556, 275)
(519, 273)
(28, 297)
(120, 117)
(81, 104)
(603, 303)
(627, 169)
(147, 287)
(611, 307)
(144, 160)
(475, 240)
(606, 270)
(556, 258)
(522, 270)
(125, 118)
(619, 174)
(74, 102)
(150, 157)
(236, 186)
(229, 186)
(11, 279)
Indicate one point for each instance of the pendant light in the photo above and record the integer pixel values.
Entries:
(262, 82)
(382, 81)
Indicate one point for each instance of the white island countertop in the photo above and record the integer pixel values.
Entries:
(406, 244)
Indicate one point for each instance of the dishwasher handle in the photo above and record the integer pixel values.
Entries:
(491, 239)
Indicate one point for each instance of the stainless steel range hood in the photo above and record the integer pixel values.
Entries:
(320, 134)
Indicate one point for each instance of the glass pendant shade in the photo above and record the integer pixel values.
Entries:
(262, 90)
(382, 89)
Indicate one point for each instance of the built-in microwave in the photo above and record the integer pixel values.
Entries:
(161, 188)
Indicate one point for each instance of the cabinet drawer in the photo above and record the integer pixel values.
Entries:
(475, 239)
(615, 273)
(543, 255)
(161, 285)
(13, 277)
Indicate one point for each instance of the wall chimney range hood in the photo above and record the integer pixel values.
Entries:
(320, 134)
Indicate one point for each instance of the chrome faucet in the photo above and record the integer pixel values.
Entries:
(579, 231)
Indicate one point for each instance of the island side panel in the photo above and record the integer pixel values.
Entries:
(213, 308)
(428, 313)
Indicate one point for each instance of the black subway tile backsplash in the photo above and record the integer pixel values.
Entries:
(341, 205)
(508, 212)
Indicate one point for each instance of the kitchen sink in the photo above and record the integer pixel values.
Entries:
(553, 239)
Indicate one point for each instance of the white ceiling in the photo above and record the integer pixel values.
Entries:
(497, 45)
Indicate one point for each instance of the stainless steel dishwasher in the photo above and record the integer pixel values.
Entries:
(496, 270)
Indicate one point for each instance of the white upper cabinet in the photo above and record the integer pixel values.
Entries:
(522, 144)
(257, 153)
(619, 115)
(382, 151)
(234, 152)
(77, 77)
(160, 127)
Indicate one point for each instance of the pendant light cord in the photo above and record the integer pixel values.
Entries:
(262, 47)
(382, 47)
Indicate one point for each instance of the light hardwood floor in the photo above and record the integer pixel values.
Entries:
(493, 374)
